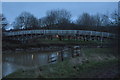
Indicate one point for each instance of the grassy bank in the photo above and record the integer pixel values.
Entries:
(94, 63)
(86, 70)
(69, 41)
(66, 70)
(103, 52)
(12, 45)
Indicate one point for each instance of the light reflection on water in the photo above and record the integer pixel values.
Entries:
(13, 62)
(32, 56)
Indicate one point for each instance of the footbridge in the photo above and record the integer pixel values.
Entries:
(49, 34)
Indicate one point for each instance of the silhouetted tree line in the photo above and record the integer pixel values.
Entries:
(61, 19)
(3, 22)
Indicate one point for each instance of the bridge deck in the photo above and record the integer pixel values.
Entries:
(59, 32)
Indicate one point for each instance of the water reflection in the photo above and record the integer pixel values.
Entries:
(57, 53)
(13, 62)
(32, 56)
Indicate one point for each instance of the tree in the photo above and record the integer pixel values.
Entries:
(115, 18)
(84, 20)
(97, 20)
(25, 21)
(3, 22)
(41, 22)
(57, 17)
(105, 20)
(119, 13)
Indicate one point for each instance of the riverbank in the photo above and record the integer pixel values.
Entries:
(94, 63)
(38, 43)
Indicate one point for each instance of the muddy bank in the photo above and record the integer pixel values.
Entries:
(33, 49)
(47, 48)
(13, 45)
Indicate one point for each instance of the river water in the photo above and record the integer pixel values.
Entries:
(13, 62)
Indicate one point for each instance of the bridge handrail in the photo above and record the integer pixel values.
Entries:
(60, 32)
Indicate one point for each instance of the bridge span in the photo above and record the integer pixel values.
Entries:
(58, 32)
(79, 34)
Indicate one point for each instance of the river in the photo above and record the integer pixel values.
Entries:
(13, 61)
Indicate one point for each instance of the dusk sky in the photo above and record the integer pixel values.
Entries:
(12, 9)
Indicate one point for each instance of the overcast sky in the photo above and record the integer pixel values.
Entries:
(12, 9)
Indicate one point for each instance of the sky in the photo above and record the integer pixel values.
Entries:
(12, 9)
